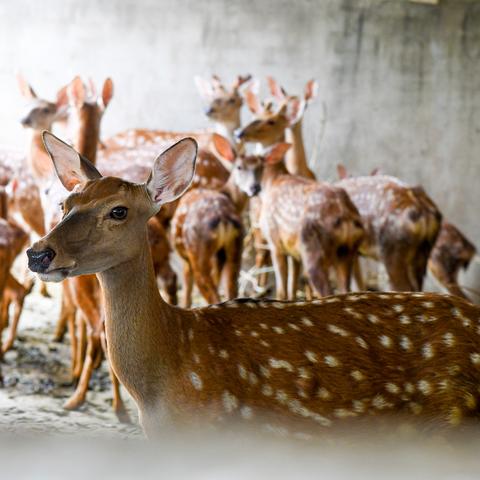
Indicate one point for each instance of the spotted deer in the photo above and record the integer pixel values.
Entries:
(272, 126)
(304, 367)
(207, 226)
(402, 224)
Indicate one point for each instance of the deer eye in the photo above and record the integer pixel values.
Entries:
(119, 213)
(271, 122)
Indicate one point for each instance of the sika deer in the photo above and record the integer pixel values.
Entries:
(305, 365)
(208, 230)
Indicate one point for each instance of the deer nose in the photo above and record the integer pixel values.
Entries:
(40, 261)
(25, 121)
(256, 189)
(238, 133)
(208, 111)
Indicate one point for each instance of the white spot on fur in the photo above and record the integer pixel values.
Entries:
(424, 387)
(405, 343)
(264, 326)
(312, 357)
(323, 393)
(230, 402)
(307, 322)
(223, 354)
(253, 333)
(373, 318)
(331, 361)
(398, 308)
(343, 413)
(337, 330)
(246, 413)
(357, 375)
(196, 381)
(294, 327)
(361, 342)
(427, 351)
(385, 340)
(475, 358)
(278, 330)
(242, 372)
(264, 371)
(392, 388)
(274, 363)
(267, 390)
(264, 343)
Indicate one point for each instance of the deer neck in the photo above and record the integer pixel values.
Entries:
(227, 128)
(142, 330)
(296, 159)
(38, 160)
(87, 134)
(271, 173)
(237, 196)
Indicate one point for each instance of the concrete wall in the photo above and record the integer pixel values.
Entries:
(399, 82)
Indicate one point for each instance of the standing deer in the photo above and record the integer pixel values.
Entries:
(301, 366)
(402, 224)
(208, 230)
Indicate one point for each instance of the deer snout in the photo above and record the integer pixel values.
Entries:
(255, 190)
(208, 111)
(39, 261)
(25, 121)
(239, 133)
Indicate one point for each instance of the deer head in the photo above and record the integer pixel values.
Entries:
(223, 104)
(105, 214)
(40, 114)
(269, 126)
(247, 171)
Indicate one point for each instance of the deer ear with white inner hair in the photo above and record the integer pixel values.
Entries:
(172, 172)
(70, 166)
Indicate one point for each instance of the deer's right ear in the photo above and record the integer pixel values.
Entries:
(70, 166)
(204, 87)
(25, 89)
(223, 147)
(173, 172)
(276, 153)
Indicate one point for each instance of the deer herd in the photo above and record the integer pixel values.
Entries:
(105, 216)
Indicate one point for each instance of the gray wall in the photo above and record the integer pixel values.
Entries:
(399, 82)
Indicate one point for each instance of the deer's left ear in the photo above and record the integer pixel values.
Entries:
(173, 172)
(276, 152)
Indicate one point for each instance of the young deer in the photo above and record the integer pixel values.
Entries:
(208, 230)
(310, 365)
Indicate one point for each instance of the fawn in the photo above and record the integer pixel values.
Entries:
(314, 365)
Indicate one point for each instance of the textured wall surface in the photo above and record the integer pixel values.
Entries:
(399, 82)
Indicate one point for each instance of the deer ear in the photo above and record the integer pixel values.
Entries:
(276, 153)
(172, 172)
(275, 89)
(311, 90)
(204, 87)
(76, 92)
(25, 89)
(223, 147)
(295, 109)
(70, 166)
(107, 93)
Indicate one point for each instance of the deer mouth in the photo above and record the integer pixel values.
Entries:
(55, 274)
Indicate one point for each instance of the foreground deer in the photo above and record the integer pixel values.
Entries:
(312, 365)
(208, 230)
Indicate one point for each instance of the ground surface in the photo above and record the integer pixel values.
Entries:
(37, 381)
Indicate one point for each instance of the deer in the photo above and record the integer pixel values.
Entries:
(402, 225)
(302, 366)
(12, 239)
(207, 227)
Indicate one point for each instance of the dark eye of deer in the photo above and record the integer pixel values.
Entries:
(119, 213)
(271, 122)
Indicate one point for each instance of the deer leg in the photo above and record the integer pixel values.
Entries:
(343, 269)
(81, 345)
(357, 273)
(232, 266)
(397, 266)
(117, 404)
(293, 277)
(93, 348)
(19, 300)
(280, 266)
(201, 268)
(316, 269)
(187, 285)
